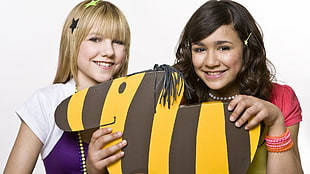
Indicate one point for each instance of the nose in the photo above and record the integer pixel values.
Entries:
(211, 59)
(106, 48)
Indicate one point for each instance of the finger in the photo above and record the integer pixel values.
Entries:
(110, 160)
(239, 107)
(100, 132)
(246, 116)
(111, 150)
(113, 153)
(233, 103)
(103, 140)
(253, 122)
(100, 164)
(95, 155)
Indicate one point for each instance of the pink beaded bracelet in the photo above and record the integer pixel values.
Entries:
(280, 143)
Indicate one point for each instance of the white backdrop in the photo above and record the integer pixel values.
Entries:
(30, 32)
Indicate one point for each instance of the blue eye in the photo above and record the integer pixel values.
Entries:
(119, 42)
(95, 39)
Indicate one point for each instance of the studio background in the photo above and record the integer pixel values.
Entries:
(30, 33)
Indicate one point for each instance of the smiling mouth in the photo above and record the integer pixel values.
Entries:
(104, 64)
(214, 73)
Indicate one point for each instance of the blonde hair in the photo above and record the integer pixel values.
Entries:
(107, 19)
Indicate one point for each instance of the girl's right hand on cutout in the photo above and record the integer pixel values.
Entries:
(100, 156)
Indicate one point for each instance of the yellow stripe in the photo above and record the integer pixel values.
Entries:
(211, 140)
(116, 105)
(254, 139)
(75, 108)
(162, 129)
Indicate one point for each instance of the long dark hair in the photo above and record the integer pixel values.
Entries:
(255, 77)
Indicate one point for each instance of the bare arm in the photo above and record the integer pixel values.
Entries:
(286, 162)
(25, 152)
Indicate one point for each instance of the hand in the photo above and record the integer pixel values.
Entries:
(254, 110)
(100, 156)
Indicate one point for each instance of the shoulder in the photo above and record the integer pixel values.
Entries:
(282, 92)
(55, 92)
(58, 89)
(38, 111)
(276, 88)
(284, 97)
(44, 100)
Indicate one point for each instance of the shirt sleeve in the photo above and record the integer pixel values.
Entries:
(285, 98)
(33, 113)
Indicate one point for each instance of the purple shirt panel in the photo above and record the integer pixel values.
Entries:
(65, 157)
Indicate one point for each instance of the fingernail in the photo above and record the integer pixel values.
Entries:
(237, 124)
(231, 118)
(229, 108)
(124, 142)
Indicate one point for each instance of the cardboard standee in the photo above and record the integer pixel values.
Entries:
(163, 137)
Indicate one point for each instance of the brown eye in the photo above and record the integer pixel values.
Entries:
(223, 48)
(198, 50)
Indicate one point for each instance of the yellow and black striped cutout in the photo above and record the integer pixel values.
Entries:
(194, 139)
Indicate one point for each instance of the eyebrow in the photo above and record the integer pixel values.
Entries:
(216, 43)
(198, 43)
(222, 42)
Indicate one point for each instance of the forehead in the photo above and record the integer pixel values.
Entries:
(114, 29)
(104, 29)
(225, 33)
(95, 30)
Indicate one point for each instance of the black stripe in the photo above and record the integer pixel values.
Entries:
(61, 115)
(93, 104)
(182, 157)
(238, 146)
(138, 126)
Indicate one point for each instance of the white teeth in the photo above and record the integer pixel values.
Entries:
(104, 64)
(213, 73)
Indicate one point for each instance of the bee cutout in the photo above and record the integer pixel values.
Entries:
(164, 137)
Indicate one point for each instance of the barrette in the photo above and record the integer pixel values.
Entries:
(74, 24)
(247, 39)
(91, 3)
(188, 44)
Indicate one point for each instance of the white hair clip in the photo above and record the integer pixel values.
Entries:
(247, 39)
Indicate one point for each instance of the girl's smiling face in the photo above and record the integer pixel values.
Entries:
(217, 60)
(99, 59)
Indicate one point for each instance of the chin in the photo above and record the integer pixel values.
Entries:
(215, 87)
(104, 79)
